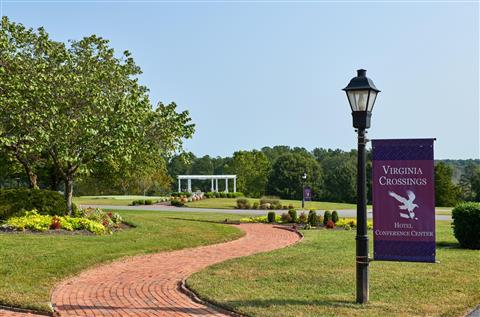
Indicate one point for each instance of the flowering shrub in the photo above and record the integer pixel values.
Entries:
(330, 224)
(55, 223)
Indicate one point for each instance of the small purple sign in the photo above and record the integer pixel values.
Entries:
(307, 193)
(403, 200)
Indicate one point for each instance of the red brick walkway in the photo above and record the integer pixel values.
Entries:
(148, 285)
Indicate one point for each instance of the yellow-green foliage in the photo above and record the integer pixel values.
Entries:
(352, 222)
(33, 221)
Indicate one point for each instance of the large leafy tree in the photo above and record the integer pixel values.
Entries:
(29, 61)
(81, 105)
(340, 178)
(446, 193)
(285, 179)
(470, 182)
(251, 168)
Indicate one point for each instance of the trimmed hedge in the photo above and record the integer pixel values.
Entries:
(466, 224)
(271, 216)
(327, 216)
(14, 202)
(335, 216)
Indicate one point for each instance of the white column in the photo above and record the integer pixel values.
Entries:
(179, 185)
(226, 185)
(212, 186)
(216, 185)
(235, 184)
(189, 185)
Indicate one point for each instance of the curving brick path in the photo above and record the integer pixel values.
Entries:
(149, 285)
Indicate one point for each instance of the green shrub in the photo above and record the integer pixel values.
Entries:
(139, 202)
(312, 218)
(293, 215)
(271, 216)
(243, 203)
(277, 206)
(334, 216)
(272, 200)
(286, 218)
(177, 203)
(327, 216)
(223, 195)
(466, 224)
(148, 202)
(14, 202)
(302, 218)
(255, 205)
(290, 206)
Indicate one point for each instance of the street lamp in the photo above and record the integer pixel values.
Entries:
(304, 178)
(361, 94)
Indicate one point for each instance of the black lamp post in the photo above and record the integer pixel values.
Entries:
(304, 179)
(361, 93)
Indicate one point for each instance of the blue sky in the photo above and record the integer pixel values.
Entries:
(271, 73)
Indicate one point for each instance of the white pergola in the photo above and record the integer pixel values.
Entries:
(214, 179)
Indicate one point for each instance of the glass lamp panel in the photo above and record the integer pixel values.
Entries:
(371, 101)
(358, 99)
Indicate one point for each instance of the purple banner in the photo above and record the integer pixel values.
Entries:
(307, 193)
(403, 200)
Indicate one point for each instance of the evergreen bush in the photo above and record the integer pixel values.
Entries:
(14, 202)
(327, 216)
(271, 216)
(466, 224)
(312, 218)
(293, 215)
(334, 216)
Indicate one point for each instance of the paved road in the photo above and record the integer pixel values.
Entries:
(343, 213)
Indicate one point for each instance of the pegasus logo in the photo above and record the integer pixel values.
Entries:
(407, 204)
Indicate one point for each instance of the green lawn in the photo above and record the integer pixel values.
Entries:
(110, 200)
(317, 278)
(31, 264)
(230, 203)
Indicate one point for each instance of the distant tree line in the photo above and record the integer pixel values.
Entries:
(331, 174)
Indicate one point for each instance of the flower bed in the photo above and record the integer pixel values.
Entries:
(345, 223)
(92, 220)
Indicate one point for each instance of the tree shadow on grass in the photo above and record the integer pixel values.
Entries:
(265, 303)
(448, 245)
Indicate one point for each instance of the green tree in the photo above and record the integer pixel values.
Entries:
(285, 179)
(470, 182)
(28, 64)
(340, 179)
(446, 193)
(251, 168)
(81, 105)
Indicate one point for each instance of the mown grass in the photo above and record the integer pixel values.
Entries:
(110, 200)
(230, 203)
(317, 278)
(31, 264)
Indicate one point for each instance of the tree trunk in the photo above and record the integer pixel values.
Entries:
(69, 193)
(32, 177)
(55, 178)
